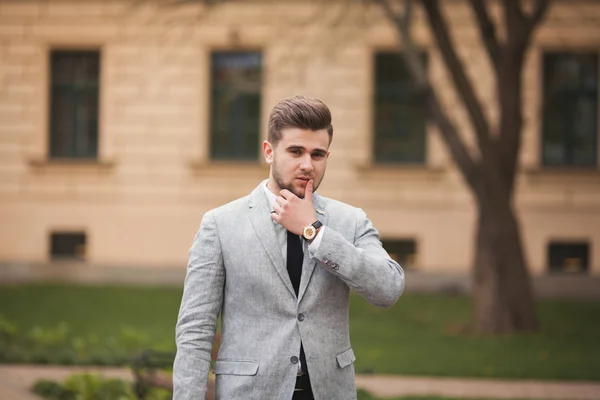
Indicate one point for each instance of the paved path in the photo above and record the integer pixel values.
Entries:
(15, 380)
(389, 386)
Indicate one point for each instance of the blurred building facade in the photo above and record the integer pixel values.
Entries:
(122, 122)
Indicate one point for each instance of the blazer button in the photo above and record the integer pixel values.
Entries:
(294, 360)
(300, 317)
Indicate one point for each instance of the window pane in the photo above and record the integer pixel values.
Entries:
(568, 257)
(67, 245)
(75, 67)
(74, 104)
(570, 114)
(235, 105)
(404, 252)
(86, 123)
(400, 113)
(62, 107)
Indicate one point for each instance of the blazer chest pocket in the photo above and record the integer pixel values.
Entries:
(247, 368)
(345, 358)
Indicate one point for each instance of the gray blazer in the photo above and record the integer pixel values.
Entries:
(236, 268)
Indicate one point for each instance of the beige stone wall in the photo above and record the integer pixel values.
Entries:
(142, 202)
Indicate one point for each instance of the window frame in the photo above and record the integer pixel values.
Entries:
(210, 126)
(544, 52)
(588, 248)
(54, 236)
(75, 93)
(375, 160)
(406, 240)
(37, 150)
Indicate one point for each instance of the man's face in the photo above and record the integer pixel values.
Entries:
(300, 155)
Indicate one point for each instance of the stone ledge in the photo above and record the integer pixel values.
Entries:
(561, 174)
(392, 171)
(224, 167)
(62, 164)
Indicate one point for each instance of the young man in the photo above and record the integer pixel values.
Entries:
(278, 265)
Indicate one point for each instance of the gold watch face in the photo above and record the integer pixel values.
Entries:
(309, 232)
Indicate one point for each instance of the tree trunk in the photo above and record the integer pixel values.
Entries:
(502, 291)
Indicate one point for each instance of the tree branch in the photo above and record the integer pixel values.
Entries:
(402, 23)
(455, 144)
(464, 88)
(487, 31)
(448, 131)
(539, 10)
(519, 29)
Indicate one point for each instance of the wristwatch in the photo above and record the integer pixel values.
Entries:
(311, 230)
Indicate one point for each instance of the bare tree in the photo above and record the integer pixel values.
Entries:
(503, 298)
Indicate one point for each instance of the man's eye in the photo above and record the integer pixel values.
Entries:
(296, 152)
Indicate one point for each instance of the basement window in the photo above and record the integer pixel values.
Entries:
(68, 245)
(568, 257)
(403, 251)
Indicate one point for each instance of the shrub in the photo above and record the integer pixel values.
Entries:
(52, 390)
(93, 387)
(48, 337)
(96, 387)
(8, 331)
(57, 345)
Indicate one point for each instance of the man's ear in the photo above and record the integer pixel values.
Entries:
(268, 151)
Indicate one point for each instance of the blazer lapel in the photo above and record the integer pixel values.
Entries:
(308, 267)
(260, 216)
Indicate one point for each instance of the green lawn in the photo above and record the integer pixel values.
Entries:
(413, 338)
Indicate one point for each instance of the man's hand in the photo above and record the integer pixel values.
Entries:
(294, 213)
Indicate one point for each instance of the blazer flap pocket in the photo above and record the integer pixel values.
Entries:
(345, 358)
(235, 367)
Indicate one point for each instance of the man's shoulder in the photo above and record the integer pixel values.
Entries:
(232, 208)
(337, 206)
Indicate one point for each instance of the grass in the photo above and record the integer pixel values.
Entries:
(413, 338)
(369, 397)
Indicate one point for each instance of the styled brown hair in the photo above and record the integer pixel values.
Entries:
(299, 112)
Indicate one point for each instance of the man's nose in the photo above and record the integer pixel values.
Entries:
(306, 163)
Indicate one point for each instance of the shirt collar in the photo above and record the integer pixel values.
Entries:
(270, 196)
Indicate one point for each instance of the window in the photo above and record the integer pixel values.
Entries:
(568, 256)
(570, 109)
(67, 245)
(400, 113)
(74, 95)
(404, 252)
(235, 105)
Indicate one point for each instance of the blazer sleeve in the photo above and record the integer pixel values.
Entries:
(364, 265)
(201, 304)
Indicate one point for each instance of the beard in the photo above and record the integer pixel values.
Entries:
(278, 178)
